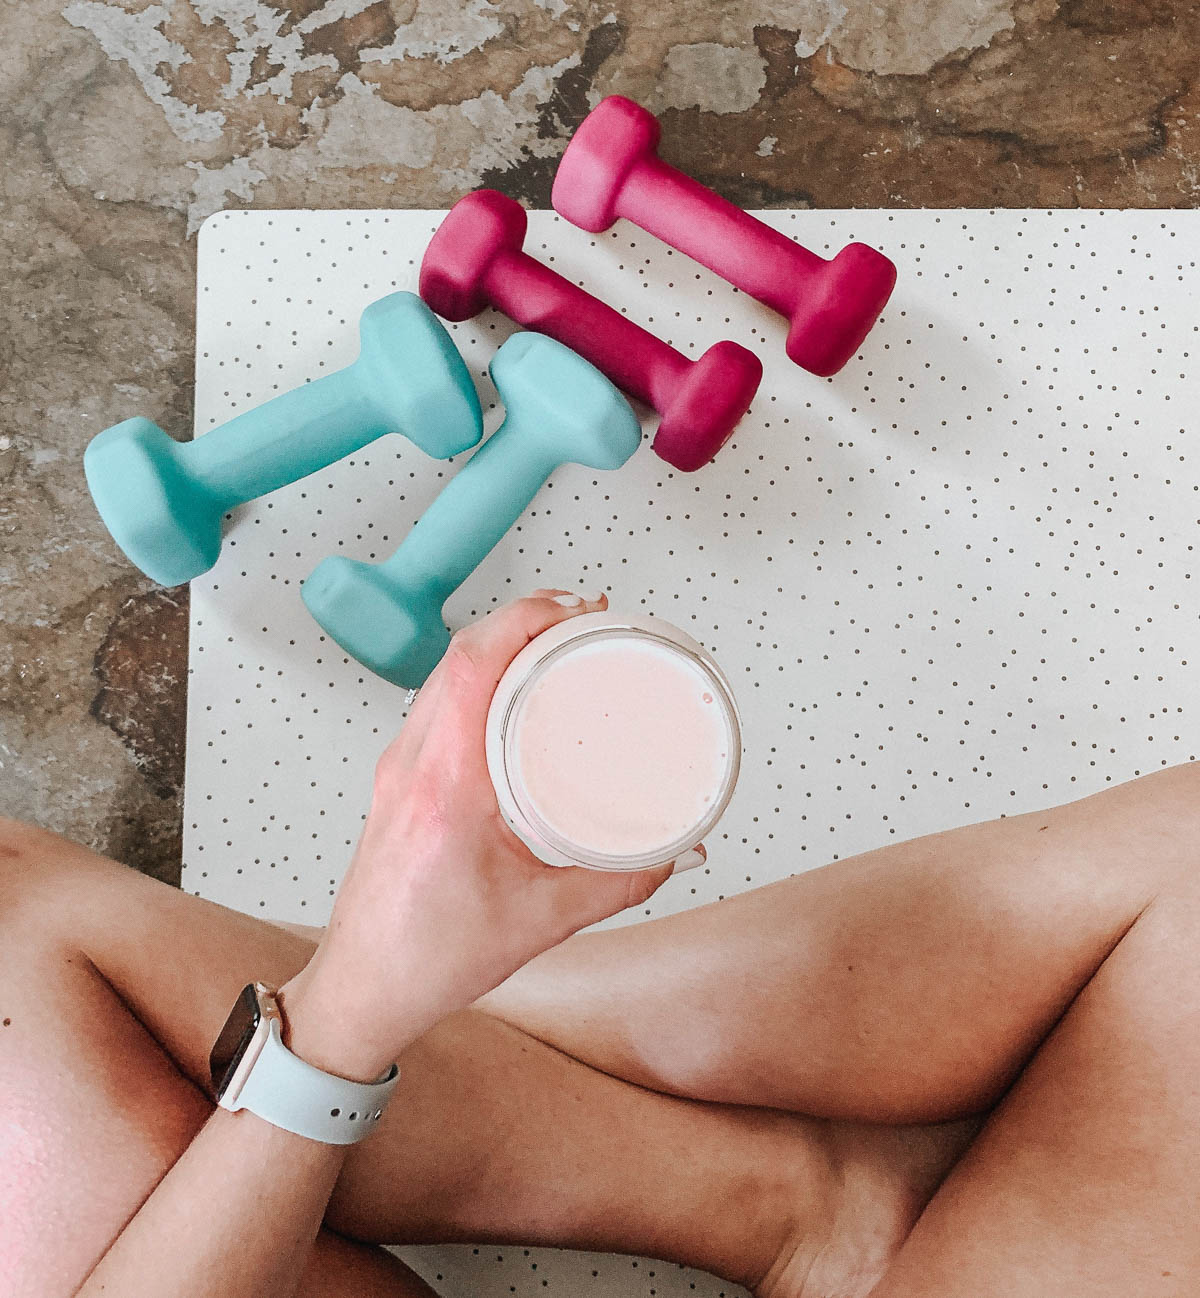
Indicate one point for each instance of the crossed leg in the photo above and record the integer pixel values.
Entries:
(1042, 970)
(1039, 970)
(907, 984)
(114, 986)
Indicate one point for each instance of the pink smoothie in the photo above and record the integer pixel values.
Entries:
(622, 745)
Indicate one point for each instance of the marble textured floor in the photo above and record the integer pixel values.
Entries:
(123, 124)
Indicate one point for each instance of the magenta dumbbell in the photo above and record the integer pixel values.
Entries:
(476, 260)
(611, 169)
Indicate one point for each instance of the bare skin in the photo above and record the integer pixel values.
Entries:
(1027, 991)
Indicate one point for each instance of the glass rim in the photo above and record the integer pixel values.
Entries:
(579, 852)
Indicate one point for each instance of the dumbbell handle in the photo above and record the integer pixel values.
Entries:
(739, 247)
(293, 435)
(472, 512)
(537, 297)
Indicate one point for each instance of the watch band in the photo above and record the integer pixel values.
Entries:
(287, 1092)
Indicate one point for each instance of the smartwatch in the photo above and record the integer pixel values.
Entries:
(250, 1068)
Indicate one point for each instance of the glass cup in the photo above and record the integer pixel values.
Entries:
(613, 743)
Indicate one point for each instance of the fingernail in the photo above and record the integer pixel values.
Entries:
(693, 857)
(595, 599)
(569, 601)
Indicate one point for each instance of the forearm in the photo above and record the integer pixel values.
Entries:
(237, 1214)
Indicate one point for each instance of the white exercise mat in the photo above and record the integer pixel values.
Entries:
(953, 582)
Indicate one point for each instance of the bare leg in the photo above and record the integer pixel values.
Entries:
(93, 1113)
(1084, 1181)
(118, 986)
(906, 1007)
(907, 984)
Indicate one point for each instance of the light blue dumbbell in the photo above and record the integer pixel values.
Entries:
(163, 500)
(559, 410)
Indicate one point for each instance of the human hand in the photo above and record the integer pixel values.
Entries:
(442, 901)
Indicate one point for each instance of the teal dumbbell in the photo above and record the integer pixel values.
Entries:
(163, 500)
(559, 410)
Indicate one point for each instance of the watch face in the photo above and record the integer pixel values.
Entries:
(235, 1036)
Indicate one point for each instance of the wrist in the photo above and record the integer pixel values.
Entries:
(330, 1035)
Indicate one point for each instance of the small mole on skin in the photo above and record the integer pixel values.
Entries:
(1044, 827)
(8, 1023)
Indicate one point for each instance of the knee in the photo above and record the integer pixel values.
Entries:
(28, 856)
(16, 839)
(1183, 780)
(18, 857)
(1149, 827)
(1174, 807)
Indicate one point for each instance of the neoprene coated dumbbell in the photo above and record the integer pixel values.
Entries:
(611, 169)
(559, 409)
(476, 260)
(163, 500)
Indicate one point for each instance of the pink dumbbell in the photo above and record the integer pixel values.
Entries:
(611, 169)
(475, 260)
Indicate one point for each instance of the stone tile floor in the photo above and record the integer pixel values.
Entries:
(123, 123)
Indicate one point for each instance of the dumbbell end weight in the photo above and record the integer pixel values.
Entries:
(477, 231)
(838, 307)
(613, 139)
(163, 523)
(412, 371)
(571, 410)
(704, 411)
(359, 606)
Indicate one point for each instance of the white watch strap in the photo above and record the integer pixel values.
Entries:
(287, 1092)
